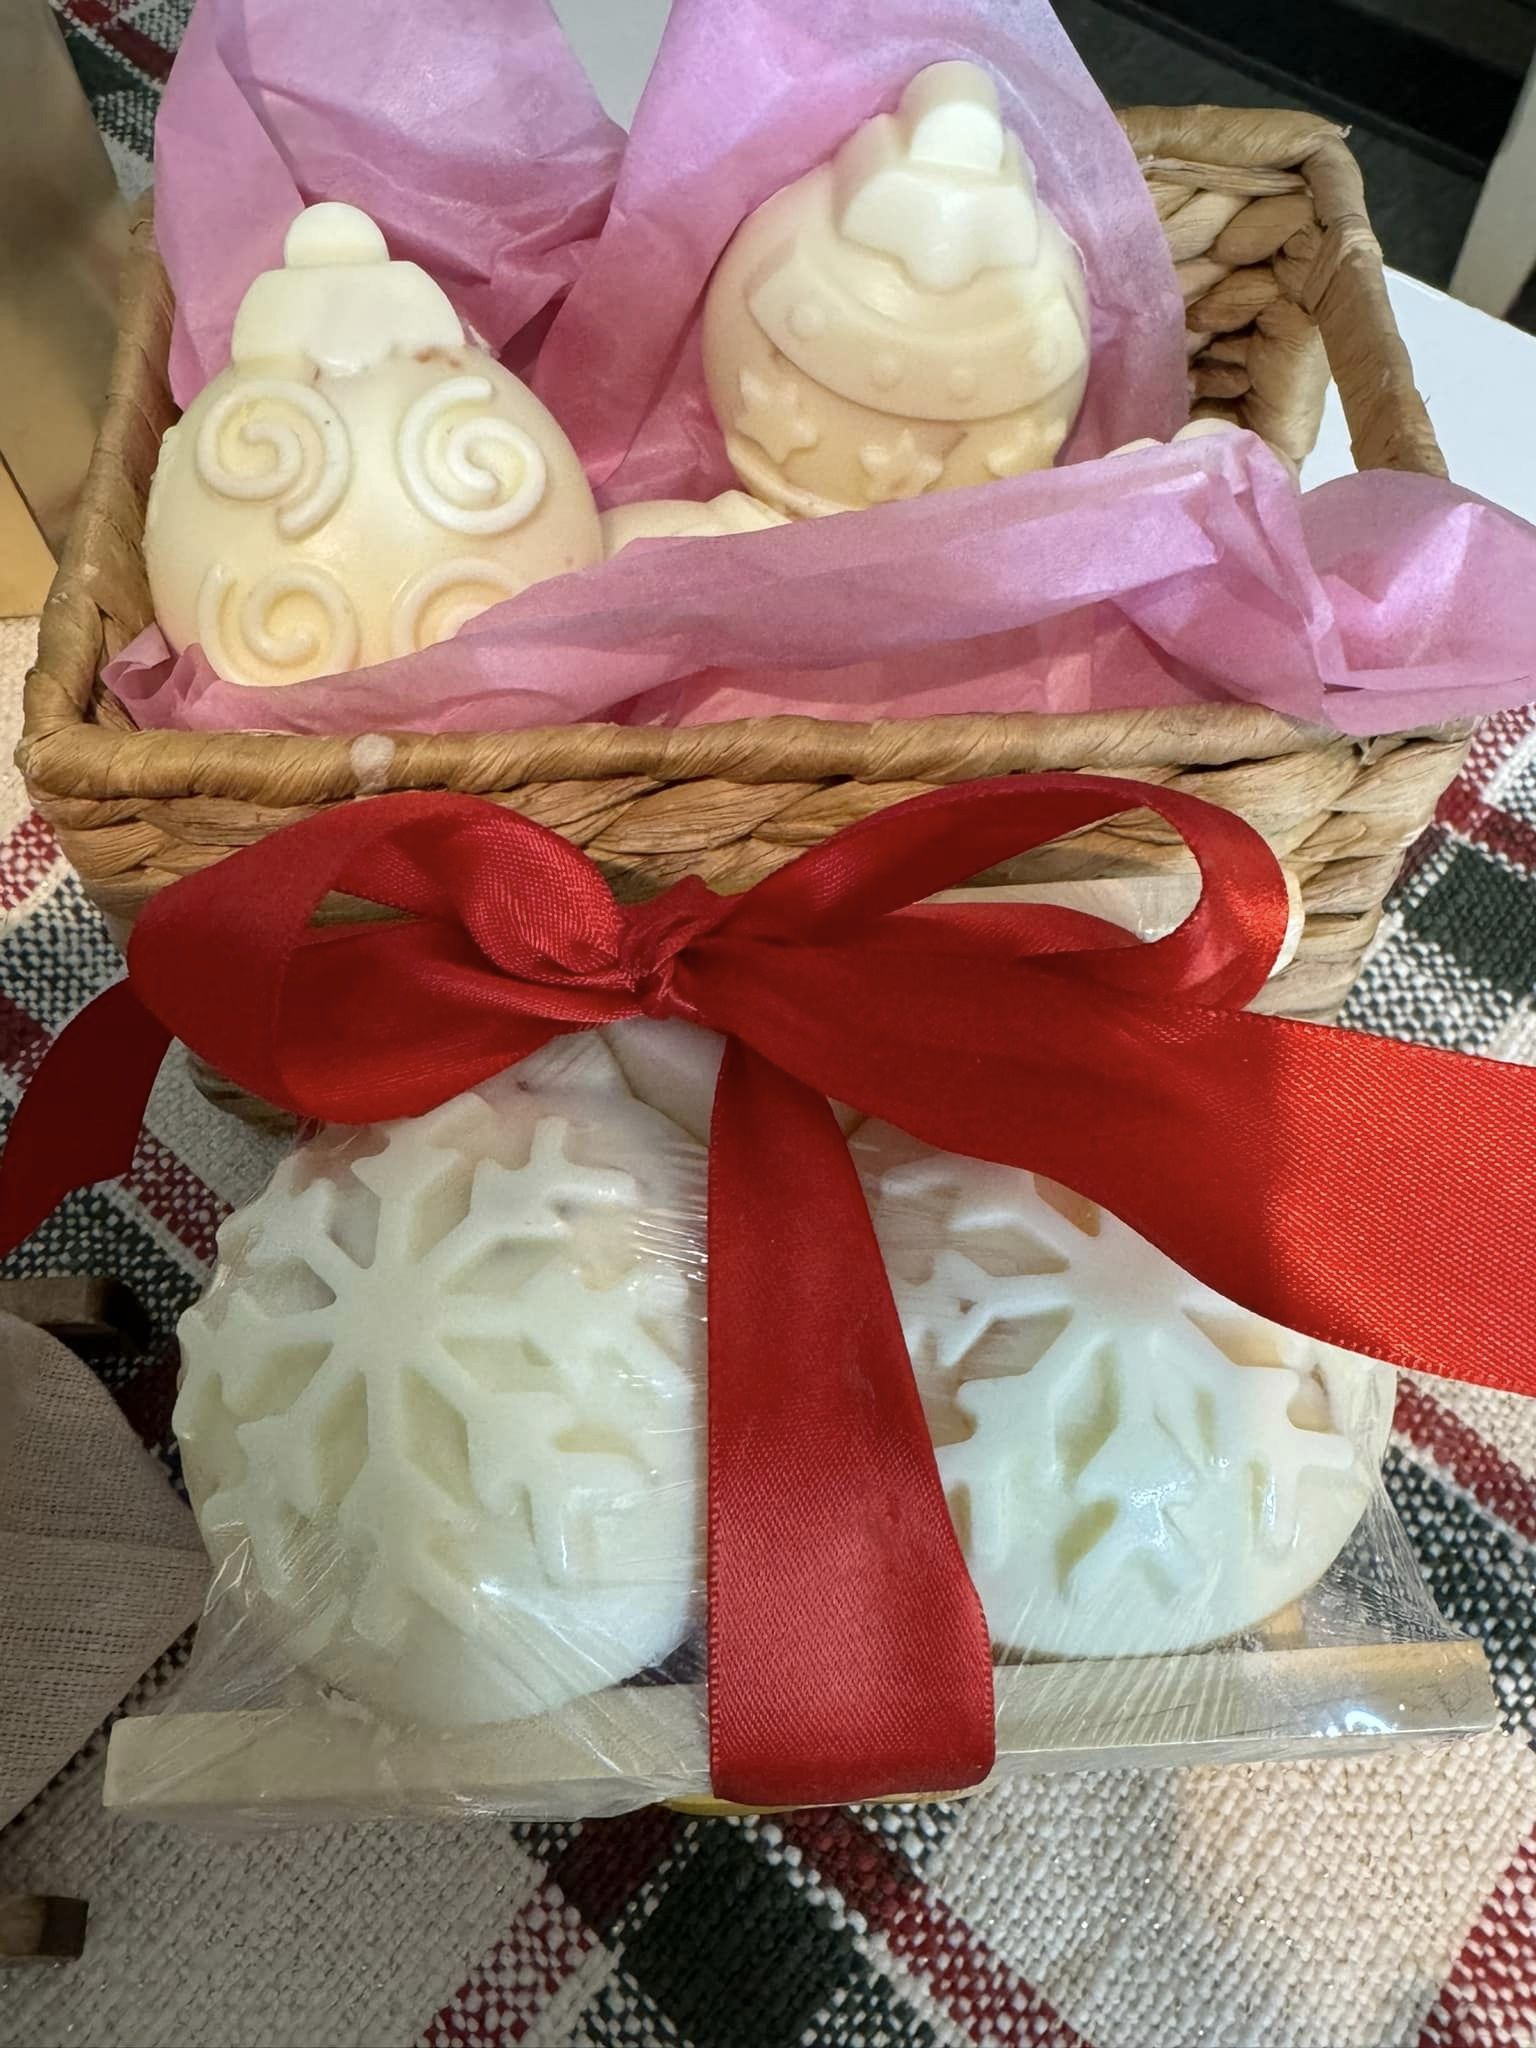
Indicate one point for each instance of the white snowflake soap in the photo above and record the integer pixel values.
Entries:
(361, 481)
(906, 318)
(441, 1410)
(1133, 1463)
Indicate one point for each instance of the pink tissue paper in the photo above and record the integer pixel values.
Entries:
(1173, 574)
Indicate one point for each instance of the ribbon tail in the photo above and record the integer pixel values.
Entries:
(79, 1119)
(848, 1653)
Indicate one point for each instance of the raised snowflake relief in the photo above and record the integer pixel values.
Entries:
(1133, 1463)
(441, 1410)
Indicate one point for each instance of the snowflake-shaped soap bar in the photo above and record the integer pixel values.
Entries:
(441, 1408)
(1133, 1463)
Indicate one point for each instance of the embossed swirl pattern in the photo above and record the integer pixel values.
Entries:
(476, 475)
(322, 640)
(271, 439)
(434, 604)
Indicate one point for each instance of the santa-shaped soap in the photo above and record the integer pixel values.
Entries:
(361, 481)
(908, 317)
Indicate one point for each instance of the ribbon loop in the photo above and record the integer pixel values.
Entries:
(898, 857)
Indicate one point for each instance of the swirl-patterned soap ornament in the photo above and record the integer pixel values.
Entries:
(362, 479)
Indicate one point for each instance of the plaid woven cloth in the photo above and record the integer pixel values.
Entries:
(1382, 1902)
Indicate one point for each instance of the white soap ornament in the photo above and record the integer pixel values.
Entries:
(441, 1410)
(685, 519)
(907, 317)
(361, 481)
(1196, 430)
(1134, 1464)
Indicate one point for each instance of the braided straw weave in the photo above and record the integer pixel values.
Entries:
(1282, 277)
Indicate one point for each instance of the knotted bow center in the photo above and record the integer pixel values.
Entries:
(656, 934)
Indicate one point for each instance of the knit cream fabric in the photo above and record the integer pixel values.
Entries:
(101, 1566)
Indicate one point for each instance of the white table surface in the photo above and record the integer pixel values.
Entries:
(1478, 376)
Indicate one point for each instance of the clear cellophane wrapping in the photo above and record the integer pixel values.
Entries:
(442, 1416)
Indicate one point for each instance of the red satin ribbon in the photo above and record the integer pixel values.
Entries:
(1377, 1195)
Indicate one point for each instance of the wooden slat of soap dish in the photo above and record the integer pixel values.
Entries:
(38, 1928)
(1216, 1706)
(86, 1314)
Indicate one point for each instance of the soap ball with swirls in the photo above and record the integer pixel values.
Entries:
(361, 481)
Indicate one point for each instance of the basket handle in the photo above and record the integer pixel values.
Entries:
(1332, 269)
(1345, 291)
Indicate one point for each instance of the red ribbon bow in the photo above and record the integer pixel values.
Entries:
(1376, 1195)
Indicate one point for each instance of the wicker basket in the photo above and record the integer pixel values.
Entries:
(1265, 218)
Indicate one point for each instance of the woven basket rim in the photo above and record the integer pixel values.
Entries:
(90, 762)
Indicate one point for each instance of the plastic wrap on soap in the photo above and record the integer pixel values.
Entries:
(442, 1420)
